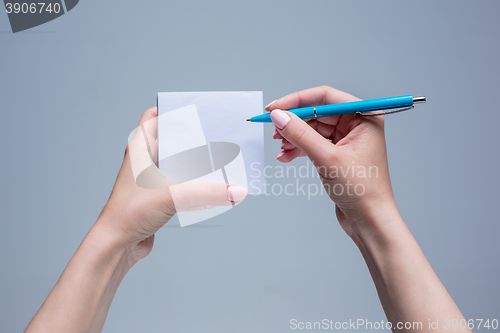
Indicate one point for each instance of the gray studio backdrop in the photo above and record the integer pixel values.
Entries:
(73, 89)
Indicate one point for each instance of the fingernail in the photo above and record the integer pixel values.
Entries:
(268, 105)
(280, 154)
(280, 118)
(274, 133)
(236, 193)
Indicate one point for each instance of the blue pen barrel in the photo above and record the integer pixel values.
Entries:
(347, 108)
(364, 106)
(304, 113)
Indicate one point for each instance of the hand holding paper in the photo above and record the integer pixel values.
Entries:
(202, 137)
(140, 204)
(144, 193)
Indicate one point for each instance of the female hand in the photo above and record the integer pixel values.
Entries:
(409, 289)
(140, 204)
(348, 151)
(142, 201)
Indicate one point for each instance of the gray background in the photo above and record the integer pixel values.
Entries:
(74, 88)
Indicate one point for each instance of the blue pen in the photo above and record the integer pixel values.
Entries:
(400, 103)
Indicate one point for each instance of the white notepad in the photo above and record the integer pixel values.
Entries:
(204, 137)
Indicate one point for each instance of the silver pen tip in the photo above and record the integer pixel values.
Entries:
(420, 99)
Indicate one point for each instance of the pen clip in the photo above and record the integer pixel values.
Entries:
(384, 112)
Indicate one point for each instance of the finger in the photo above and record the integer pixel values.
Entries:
(303, 136)
(310, 97)
(189, 196)
(276, 135)
(269, 105)
(327, 131)
(149, 124)
(322, 128)
(142, 148)
(148, 127)
(286, 145)
(286, 156)
(149, 114)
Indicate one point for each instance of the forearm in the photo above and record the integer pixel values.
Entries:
(408, 287)
(80, 300)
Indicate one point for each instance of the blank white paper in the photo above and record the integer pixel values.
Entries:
(190, 119)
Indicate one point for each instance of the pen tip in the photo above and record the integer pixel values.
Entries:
(248, 119)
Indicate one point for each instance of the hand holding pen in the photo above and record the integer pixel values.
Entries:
(348, 150)
(349, 153)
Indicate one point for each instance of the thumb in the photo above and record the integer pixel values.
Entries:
(304, 137)
(198, 196)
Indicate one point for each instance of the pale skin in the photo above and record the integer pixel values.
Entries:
(408, 288)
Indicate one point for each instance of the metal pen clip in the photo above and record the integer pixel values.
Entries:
(384, 112)
(416, 100)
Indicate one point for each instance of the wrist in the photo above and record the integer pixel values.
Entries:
(113, 243)
(122, 227)
(108, 246)
(380, 225)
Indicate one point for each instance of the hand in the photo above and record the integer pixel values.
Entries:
(140, 204)
(142, 201)
(348, 151)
